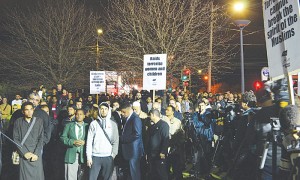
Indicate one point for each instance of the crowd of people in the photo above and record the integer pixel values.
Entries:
(60, 135)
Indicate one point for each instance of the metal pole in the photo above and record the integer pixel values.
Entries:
(210, 49)
(97, 65)
(242, 62)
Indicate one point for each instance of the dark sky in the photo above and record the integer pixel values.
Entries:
(254, 40)
(255, 56)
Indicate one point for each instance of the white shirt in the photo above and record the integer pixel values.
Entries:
(17, 102)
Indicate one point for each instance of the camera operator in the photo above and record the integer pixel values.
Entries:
(204, 125)
(290, 152)
(244, 160)
(263, 128)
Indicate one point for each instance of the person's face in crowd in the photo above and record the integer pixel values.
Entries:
(71, 102)
(179, 98)
(94, 112)
(18, 97)
(48, 98)
(172, 103)
(244, 105)
(136, 109)
(4, 100)
(64, 91)
(70, 95)
(149, 100)
(59, 87)
(24, 100)
(79, 105)
(239, 96)
(156, 106)
(205, 95)
(15, 108)
(90, 98)
(54, 91)
(80, 116)
(71, 111)
(115, 106)
(54, 100)
(44, 90)
(186, 97)
(80, 99)
(169, 111)
(138, 96)
(230, 97)
(202, 106)
(220, 97)
(210, 94)
(130, 95)
(46, 109)
(125, 112)
(103, 111)
(226, 96)
(158, 100)
(28, 111)
(34, 99)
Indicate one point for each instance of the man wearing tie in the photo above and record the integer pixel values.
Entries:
(131, 140)
(73, 137)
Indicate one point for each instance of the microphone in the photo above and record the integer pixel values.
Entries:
(289, 117)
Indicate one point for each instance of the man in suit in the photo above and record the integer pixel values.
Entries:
(131, 140)
(73, 137)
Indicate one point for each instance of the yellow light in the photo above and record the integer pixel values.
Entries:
(200, 71)
(99, 31)
(239, 6)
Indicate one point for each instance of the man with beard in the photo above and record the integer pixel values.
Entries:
(157, 146)
(71, 118)
(102, 145)
(138, 98)
(131, 139)
(30, 153)
(175, 158)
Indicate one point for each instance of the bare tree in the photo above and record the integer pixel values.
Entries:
(50, 42)
(179, 28)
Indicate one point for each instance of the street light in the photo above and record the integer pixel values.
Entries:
(238, 7)
(242, 24)
(99, 32)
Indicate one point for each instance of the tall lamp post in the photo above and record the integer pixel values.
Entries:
(242, 24)
(99, 32)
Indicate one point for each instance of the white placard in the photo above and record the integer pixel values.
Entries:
(97, 82)
(155, 72)
(282, 34)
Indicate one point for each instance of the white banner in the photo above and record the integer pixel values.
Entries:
(97, 82)
(282, 34)
(155, 72)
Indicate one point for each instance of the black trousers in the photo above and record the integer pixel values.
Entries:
(174, 161)
(158, 169)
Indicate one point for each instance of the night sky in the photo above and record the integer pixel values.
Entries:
(254, 41)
